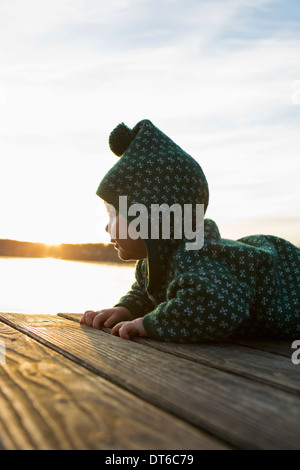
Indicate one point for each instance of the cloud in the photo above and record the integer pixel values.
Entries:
(217, 76)
(284, 227)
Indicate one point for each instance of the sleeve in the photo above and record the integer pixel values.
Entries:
(137, 300)
(199, 309)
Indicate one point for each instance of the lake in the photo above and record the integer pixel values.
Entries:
(49, 286)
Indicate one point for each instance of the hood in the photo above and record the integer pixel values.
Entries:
(152, 169)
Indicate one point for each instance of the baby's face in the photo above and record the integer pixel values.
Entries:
(128, 248)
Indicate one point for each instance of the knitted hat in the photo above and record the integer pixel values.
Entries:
(152, 170)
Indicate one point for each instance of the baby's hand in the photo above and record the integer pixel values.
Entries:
(125, 329)
(107, 317)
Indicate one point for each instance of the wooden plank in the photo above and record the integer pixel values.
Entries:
(49, 402)
(273, 346)
(238, 410)
(279, 347)
(256, 364)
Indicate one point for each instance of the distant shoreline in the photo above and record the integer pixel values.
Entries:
(98, 252)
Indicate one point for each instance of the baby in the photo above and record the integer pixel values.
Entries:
(208, 289)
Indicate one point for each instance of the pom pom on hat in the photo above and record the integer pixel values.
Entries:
(120, 139)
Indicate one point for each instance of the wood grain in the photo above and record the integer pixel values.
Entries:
(252, 359)
(278, 347)
(243, 412)
(50, 402)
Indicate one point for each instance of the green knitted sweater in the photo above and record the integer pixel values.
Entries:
(226, 288)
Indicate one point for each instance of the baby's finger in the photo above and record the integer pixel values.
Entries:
(83, 318)
(116, 328)
(127, 329)
(89, 317)
(112, 320)
(100, 318)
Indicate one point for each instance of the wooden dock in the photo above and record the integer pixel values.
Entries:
(67, 386)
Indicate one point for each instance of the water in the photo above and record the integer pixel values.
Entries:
(49, 286)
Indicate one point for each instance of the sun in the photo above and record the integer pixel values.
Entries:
(49, 239)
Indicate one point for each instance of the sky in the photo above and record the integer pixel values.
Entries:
(221, 78)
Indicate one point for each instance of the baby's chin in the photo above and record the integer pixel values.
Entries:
(128, 256)
(125, 256)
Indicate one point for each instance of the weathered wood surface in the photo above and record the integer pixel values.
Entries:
(49, 402)
(244, 395)
(274, 368)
